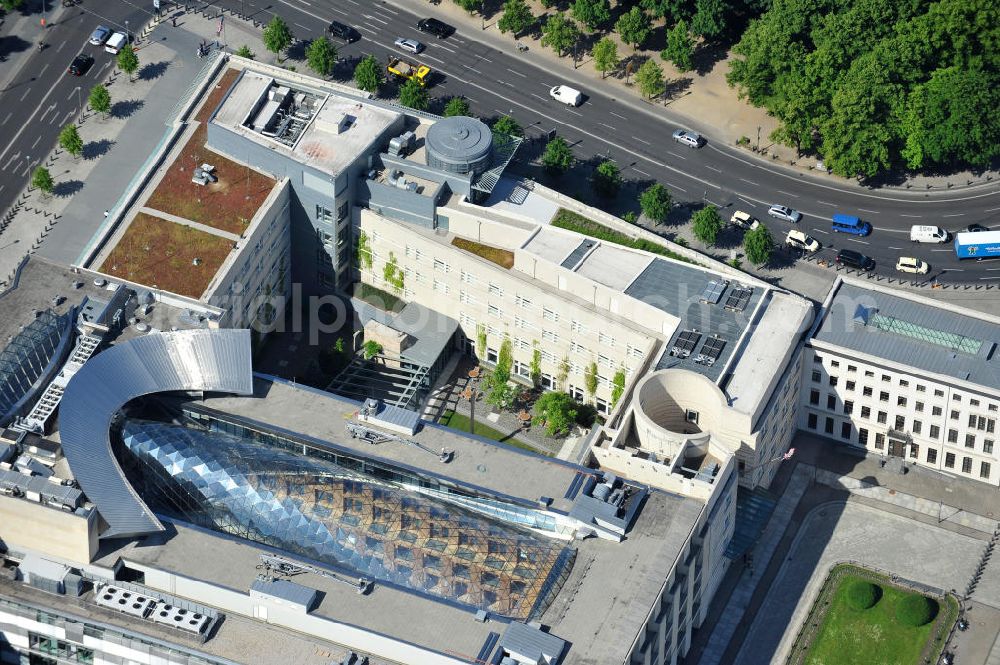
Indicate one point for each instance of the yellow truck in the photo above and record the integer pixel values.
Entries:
(408, 71)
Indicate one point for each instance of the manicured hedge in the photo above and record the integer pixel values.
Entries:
(916, 610)
(862, 595)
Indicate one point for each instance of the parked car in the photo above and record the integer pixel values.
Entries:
(912, 265)
(744, 220)
(689, 138)
(99, 35)
(856, 260)
(850, 224)
(800, 240)
(80, 64)
(566, 95)
(977, 228)
(411, 45)
(439, 29)
(115, 43)
(785, 213)
(343, 31)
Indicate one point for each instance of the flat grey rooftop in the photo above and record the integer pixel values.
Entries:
(860, 319)
(488, 466)
(677, 288)
(431, 331)
(613, 266)
(556, 246)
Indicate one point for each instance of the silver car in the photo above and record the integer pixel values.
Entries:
(99, 35)
(785, 213)
(688, 138)
(411, 45)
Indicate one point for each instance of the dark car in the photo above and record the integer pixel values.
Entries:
(977, 228)
(856, 260)
(439, 29)
(80, 64)
(345, 32)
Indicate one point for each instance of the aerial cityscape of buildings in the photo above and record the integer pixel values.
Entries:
(175, 489)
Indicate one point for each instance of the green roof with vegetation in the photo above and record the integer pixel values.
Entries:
(572, 221)
(501, 257)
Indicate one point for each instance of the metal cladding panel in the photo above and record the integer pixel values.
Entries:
(207, 360)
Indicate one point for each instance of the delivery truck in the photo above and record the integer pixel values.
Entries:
(981, 245)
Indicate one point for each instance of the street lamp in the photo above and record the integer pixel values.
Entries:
(128, 35)
(482, 13)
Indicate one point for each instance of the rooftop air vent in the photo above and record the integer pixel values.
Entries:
(100, 281)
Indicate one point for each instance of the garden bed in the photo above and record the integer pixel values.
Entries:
(460, 422)
(572, 221)
(501, 257)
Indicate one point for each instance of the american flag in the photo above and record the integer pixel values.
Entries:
(788, 455)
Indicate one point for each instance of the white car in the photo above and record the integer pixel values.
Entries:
(785, 213)
(802, 241)
(115, 43)
(912, 265)
(688, 138)
(411, 45)
(744, 220)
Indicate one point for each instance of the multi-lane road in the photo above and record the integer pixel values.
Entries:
(498, 79)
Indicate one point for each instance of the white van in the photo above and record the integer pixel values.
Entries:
(115, 42)
(566, 95)
(928, 234)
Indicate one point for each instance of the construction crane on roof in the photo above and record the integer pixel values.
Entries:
(279, 566)
(374, 436)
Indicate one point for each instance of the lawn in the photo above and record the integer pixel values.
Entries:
(228, 204)
(571, 221)
(848, 636)
(460, 422)
(215, 96)
(161, 253)
(501, 257)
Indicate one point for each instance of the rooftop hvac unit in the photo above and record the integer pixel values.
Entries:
(122, 600)
(186, 620)
(402, 145)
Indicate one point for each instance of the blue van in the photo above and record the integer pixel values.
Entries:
(850, 224)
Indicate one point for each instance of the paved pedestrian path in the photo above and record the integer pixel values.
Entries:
(187, 222)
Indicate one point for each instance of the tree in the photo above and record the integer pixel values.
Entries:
(671, 10)
(11, 5)
(680, 47)
(556, 411)
(338, 346)
(469, 5)
(590, 379)
(709, 19)
(605, 56)
(70, 141)
(516, 17)
(42, 179)
(499, 392)
(706, 224)
(100, 100)
(650, 79)
(321, 55)
(368, 75)
(277, 36)
(607, 179)
(414, 95)
(617, 386)
(245, 52)
(592, 13)
(758, 245)
(535, 368)
(655, 202)
(456, 106)
(916, 609)
(862, 594)
(507, 125)
(560, 33)
(557, 157)
(371, 349)
(633, 27)
(128, 61)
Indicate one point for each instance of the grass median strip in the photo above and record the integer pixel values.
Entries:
(458, 421)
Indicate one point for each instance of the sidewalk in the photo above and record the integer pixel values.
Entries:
(706, 103)
(28, 28)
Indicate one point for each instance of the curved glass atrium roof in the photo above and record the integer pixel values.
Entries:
(26, 357)
(383, 529)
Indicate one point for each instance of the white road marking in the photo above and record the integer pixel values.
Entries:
(304, 27)
(539, 97)
(12, 158)
(942, 250)
(375, 18)
(983, 278)
(30, 119)
(26, 92)
(431, 57)
(911, 216)
(473, 69)
(677, 155)
(866, 210)
(824, 203)
(512, 71)
(881, 230)
(898, 249)
(368, 29)
(42, 70)
(37, 139)
(712, 168)
(955, 214)
(373, 28)
(636, 138)
(485, 59)
(642, 173)
(9, 114)
(788, 193)
(61, 45)
(384, 8)
(860, 242)
(821, 231)
(575, 112)
(608, 126)
(992, 209)
(446, 48)
(618, 116)
(750, 182)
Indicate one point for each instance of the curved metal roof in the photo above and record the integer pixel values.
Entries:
(459, 139)
(208, 360)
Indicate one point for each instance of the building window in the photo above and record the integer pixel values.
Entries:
(903, 383)
(845, 431)
(866, 391)
(935, 432)
(577, 326)
(834, 363)
(863, 436)
(883, 396)
(973, 402)
(938, 393)
(900, 423)
(468, 277)
(814, 397)
(549, 314)
(848, 407)
(852, 368)
(886, 378)
(494, 311)
(984, 470)
(831, 402)
(441, 287)
(988, 446)
(882, 417)
(949, 460)
(833, 381)
(953, 436)
(970, 440)
(606, 340)
(935, 410)
(441, 266)
(879, 441)
(816, 376)
(921, 388)
(900, 401)
(495, 289)
(550, 336)
(932, 456)
(849, 385)
(491, 355)
(866, 412)
(955, 397)
(870, 374)
(523, 302)
(917, 426)
(828, 427)
(914, 450)
(811, 421)
(966, 465)
(954, 414)
(919, 406)
(817, 359)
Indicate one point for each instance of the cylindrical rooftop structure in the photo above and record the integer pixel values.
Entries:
(460, 145)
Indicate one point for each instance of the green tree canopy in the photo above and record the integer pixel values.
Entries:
(321, 56)
(680, 47)
(671, 10)
(11, 5)
(607, 179)
(709, 20)
(556, 411)
(558, 156)
(469, 5)
(456, 106)
(42, 179)
(277, 35)
(655, 202)
(128, 61)
(592, 13)
(368, 75)
(507, 125)
(758, 245)
(516, 17)
(605, 56)
(245, 52)
(706, 224)
(650, 79)
(633, 27)
(70, 141)
(916, 609)
(371, 348)
(862, 594)
(414, 95)
(560, 33)
(100, 99)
